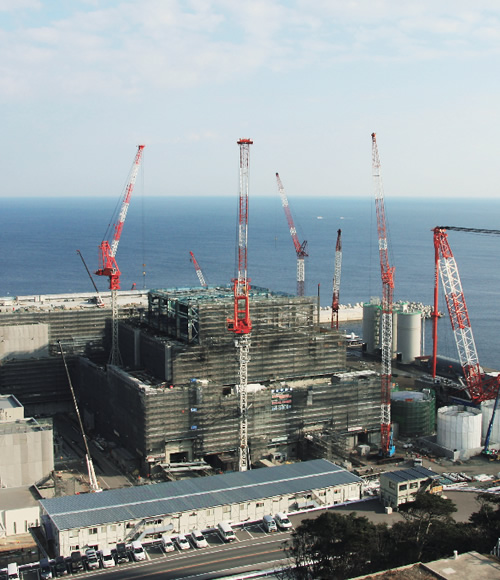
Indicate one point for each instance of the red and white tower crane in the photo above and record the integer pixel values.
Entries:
(300, 248)
(199, 273)
(241, 324)
(387, 273)
(336, 281)
(480, 386)
(107, 262)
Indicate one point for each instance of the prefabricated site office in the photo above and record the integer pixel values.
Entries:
(140, 513)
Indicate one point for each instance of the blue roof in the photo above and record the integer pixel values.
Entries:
(148, 501)
(409, 474)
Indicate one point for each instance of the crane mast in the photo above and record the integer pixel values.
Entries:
(241, 324)
(479, 386)
(199, 273)
(336, 280)
(300, 248)
(108, 266)
(387, 274)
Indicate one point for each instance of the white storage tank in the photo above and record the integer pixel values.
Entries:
(487, 410)
(459, 428)
(409, 335)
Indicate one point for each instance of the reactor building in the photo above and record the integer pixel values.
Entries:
(174, 399)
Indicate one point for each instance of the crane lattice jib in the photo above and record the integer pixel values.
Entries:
(479, 386)
(197, 268)
(126, 200)
(107, 262)
(336, 280)
(300, 248)
(387, 275)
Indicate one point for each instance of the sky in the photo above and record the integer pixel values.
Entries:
(83, 82)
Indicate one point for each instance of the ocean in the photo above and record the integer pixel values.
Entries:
(39, 239)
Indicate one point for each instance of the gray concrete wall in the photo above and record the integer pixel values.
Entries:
(26, 455)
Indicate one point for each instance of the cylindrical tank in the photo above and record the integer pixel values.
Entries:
(371, 332)
(459, 428)
(487, 410)
(409, 336)
(414, 411)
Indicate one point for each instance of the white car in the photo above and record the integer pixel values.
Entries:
(138, 551)
(166, 542)
(199, 539)
(107, 559)
(182, 542)
(282, 521)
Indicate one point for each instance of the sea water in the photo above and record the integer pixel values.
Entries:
(39, 239)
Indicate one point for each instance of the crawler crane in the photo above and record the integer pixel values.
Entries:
(241, 324)
(479, 386)
(108, 266)
(93, 483)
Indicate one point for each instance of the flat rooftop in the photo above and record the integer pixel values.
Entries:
(470, 565)
(402, 475)
(9, 402)
(150, 501)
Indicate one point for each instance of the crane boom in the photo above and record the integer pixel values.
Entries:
(108, 266)
(300, 248)
(199, 273)
(241, 324)
(336, 280)
(479, 386)
(93, 482)
(387, 275)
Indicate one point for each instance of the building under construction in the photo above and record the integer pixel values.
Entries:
(175, 397)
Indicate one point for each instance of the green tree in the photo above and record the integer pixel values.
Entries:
(486, 521)
(421, 516)
(335, 546)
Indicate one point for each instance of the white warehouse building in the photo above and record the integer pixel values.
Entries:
(101, 520)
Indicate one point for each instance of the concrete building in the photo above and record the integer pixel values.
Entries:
(402, 486)
(19, 511)
(102, 519)
(175, 397)
(26, 446)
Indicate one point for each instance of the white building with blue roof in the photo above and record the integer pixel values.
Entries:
(102, 520)
(403, 485)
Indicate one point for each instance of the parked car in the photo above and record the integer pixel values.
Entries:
(138, 551)
(76, 562)
(182, 542)
(92, 559)
(60, 567)
(122, 553)
(107, 558)
(12, 571)
(45, 569)
(282, 521)
(199, 539)
(166, 542)
(269, 524)
(226, 532)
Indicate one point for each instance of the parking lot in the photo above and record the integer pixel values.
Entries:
(153, 550)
